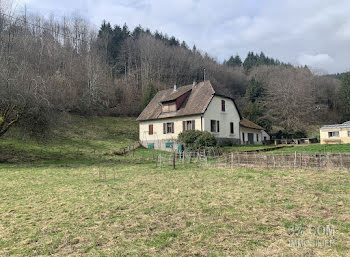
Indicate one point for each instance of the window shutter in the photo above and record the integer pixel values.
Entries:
(218, 126)
(183, 125)
(150, 129)
(193, 124)
(172, 127)
(164, 128)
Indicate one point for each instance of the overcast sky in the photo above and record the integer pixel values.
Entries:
(312, 32)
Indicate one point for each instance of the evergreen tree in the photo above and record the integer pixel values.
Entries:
(194, 48)
(148, 95)
(184, 45)
(137, 32)
(254, 90)
(263, 60)
(173, 41)
(234, 61)
(255, 113)
(344, 96)
(250, 61)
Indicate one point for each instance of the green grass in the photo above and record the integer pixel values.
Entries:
(242, 148)
(315, 148)
(79, 140)
(55, 201)
(290, 149)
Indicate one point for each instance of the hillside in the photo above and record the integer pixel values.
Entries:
(79, 139)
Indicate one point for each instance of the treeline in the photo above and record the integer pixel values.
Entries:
(253, 60)
(50, 67)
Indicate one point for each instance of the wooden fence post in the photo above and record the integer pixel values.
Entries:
(160, 160)
(183, 158)
(198, 157)
(295, 159)
(341, 161)
(174, 160)
(328, 162)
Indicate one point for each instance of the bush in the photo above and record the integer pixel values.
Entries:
(195, 139)
(205, 140)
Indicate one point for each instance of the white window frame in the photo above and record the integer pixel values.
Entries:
(332, 134)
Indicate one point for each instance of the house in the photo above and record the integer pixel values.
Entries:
(195, 107)
(336, 134)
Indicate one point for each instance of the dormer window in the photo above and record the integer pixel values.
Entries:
(169, 107)
(223, 107)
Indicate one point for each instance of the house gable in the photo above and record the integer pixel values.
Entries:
(221, 118)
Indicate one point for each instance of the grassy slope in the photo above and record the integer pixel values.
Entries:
(73, 199)
(79, 140)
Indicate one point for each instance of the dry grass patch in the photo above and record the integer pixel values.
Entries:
(139, 210)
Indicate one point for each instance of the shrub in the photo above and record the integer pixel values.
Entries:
(189, 137)
(195, 139)
(205, 140)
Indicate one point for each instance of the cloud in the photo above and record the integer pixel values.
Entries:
(291, 30)
(316, 61)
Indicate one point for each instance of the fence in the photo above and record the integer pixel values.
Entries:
(129, 148)
(328, 161)
(186, 157)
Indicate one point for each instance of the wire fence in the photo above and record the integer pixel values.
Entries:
(327, 161)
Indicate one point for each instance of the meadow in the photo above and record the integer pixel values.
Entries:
(71, 196)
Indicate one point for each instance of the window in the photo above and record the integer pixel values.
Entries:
(150, 129)
(223, 107)
(257, 137)
(169, 145)
(232, 130)
(169, 107)
(168, 128)
(333, 134)
(349, 133)
(151, 145)
(188, 125)
(243, 139)
(214, 126)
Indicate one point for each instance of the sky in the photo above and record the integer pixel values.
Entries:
(313, 32)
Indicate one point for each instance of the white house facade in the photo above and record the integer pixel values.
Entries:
(335, 134)
(194, 107)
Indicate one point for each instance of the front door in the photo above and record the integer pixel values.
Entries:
(251, 138)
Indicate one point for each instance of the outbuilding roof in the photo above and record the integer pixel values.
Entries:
(249, 124)
(337, 126)
(197, 102)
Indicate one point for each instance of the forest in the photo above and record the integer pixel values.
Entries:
(50, 67)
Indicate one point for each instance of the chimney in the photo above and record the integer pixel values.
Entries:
(194, 83)
(175, 87)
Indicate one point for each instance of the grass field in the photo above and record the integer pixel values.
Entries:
(60, 202)
(291, 149)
